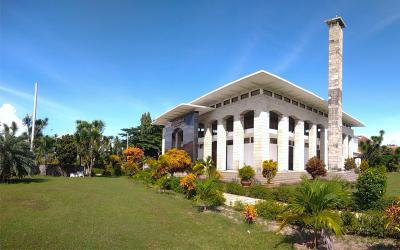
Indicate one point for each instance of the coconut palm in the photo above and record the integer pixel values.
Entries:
(15, 157)
(313, 207)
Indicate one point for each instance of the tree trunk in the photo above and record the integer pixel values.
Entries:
(316, 238)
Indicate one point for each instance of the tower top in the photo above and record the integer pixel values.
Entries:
(337, 19)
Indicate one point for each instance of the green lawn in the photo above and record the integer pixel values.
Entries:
(114, 213)
(393, 187)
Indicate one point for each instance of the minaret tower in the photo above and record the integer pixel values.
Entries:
(335, 143)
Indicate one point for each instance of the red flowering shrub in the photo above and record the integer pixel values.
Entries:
(250, 213)
(393, 214)
(133, 154)
(316, 167)
(189, 184)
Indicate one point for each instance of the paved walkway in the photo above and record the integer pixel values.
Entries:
(232, 198)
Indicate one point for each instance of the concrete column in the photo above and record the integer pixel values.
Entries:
(238, 142)
(323, 145)
(207, 142)
(283, 143)
(221, 145)
(312, 141)
(351, 147)
(298, 154)
(345, 147)
(163, 142)
(261, 139)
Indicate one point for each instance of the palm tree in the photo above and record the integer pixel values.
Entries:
(369, 147)
(40, 124)
(45, 146)
(313, 207)
(15, 157)
(90, 142)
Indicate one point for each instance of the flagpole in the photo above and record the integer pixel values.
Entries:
(34, 115)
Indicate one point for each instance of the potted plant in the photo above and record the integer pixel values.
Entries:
(246, 174)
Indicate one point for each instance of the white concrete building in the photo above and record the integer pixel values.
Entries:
(255, 118)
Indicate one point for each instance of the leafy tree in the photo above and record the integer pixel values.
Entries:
(16, 159)
(90, 142)
(45, 148)
(371, 187)
(40, 124)
(66, 149)
(146, 136)
(313, 207)
(370, 149)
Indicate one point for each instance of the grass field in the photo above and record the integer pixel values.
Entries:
(393, 187)
(114, 213)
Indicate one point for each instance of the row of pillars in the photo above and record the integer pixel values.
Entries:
(262, 141)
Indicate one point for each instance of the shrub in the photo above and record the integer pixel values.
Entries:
(235, 188)
(349, 222)
(371, 187)
(283, 193)
(159, 168)
(393, 215)
(350, 164)
(269, 209)
(199, 168)
(177, 160)
(250, 213)
(188, 183)
(364, 165)
(145, 176)
(130, 167)
(270, 168)
(315, 167)
(238, 205)
(246, 173)
(208, 193)
(174, 182)
(371, 223)
(260, 192)
(133, 154)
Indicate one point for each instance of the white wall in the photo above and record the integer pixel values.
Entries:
(273, 152)
(248, 154)
(229, 157)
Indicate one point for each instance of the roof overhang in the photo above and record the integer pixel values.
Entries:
(179, 111)
(263, 80)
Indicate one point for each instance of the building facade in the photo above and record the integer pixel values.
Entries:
(263, 116)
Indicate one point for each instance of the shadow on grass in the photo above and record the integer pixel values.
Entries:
(383, 246)
(26, 180)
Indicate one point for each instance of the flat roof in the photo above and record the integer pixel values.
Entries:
(258, 80)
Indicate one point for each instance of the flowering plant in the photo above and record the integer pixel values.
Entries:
(188, 183)
(133, 154)
(250, 213)
(393, 214)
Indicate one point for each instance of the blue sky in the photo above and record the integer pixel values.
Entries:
(114, 60)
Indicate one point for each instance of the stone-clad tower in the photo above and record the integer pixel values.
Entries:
(335, 93)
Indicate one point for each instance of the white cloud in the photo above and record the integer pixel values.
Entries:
(8, 114)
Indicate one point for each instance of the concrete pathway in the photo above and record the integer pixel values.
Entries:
(232, 198)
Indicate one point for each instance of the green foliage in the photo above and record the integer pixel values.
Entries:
(371, 187)
(312, 207)
(284, 193)
(16, 159)
(130, 168)
(66, 151)
(270, 168)
(269, 209)
(246, 173)
(211, 168)
(90, 142)
(350, 164)
(235, 188)
(144, 176)
(208, 193)
(199, 168)
(315, 167)
(45, 149)
(238, 205)
(146, 136)
(259, 192)
(370, 223)
(364, 165)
